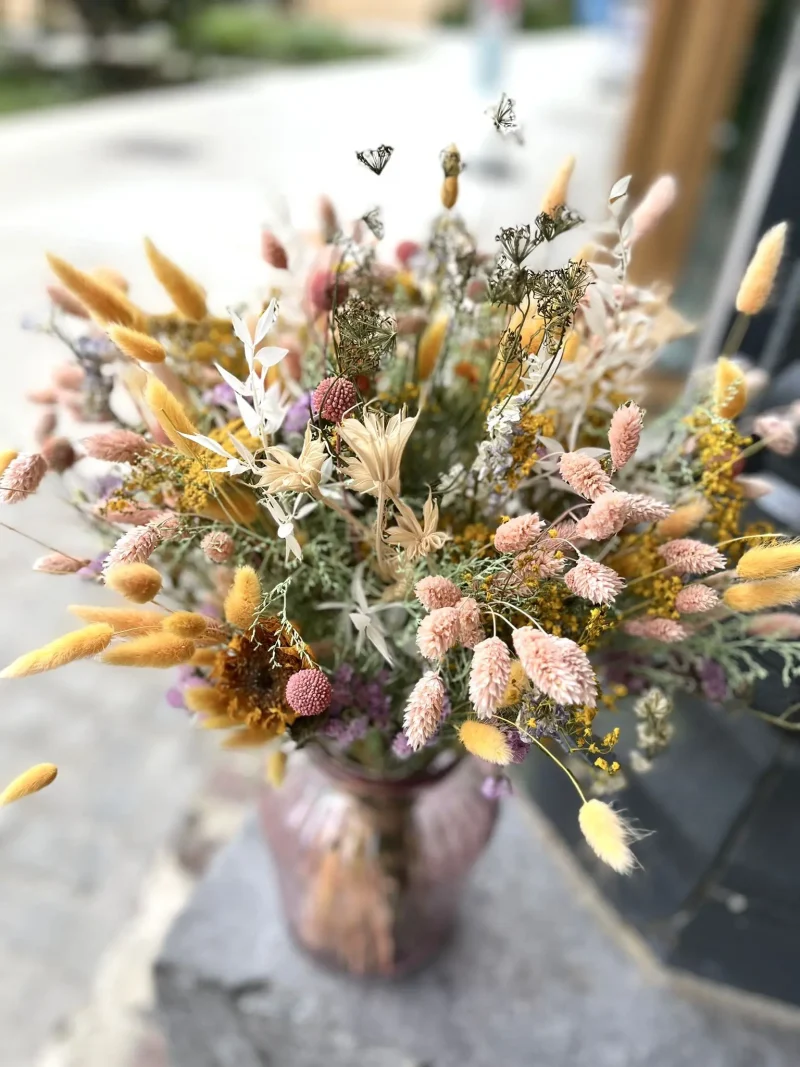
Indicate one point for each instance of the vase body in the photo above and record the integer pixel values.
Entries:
(370, 870)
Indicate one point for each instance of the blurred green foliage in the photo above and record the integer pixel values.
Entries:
(256, 32)
(535, 15)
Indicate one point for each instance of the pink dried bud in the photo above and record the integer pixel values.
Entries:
(329, 220)
(22, 477)
(594, 581)
(606, 517)
(696, 598)
(655, 203)
(687, 556)
(42, 396)
(116, 446)
(217, 546)
(136, 546)
(68, 376)
(272, 251)
(406, 251)
(333, 398)
(470, 630)
(58, 563)
(584, 474)
(438, 632)
(308, 692)
(437, 592)
(624, 433)
(489, 675)
(556, 666)
(325, 288)
(424, 710)
(59, 454)
(666, 630)
(45, 426)
(778, 434)
(64, 300)
(167, 525)
(518, 534)
(777, 624)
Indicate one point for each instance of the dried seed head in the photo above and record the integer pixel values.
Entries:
(135, 581)
(30, 781)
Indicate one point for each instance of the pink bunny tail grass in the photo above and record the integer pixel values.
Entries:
(646, 508)
(540, 563)
(584, 474)
(687, 556)
(22, 477)
(470, 630)
(624, 433)
(58, 563)
(606, 517)
(517, 534)
(594, 581)
(779, 434)
(489, 675)
(775, 624)
(129, 516)
(564, 530)
(136, 546)
(556, 666)
(693, 599)
(424, 710)
(436, 592)
(655, 203)
(438, 632)
(667, 630)
(116, 446)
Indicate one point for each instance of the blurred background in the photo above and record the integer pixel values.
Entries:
(196, 123)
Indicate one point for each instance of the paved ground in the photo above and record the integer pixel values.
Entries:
(197, 170)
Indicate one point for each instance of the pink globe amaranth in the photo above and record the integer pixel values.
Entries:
(325, 288)
(333, 398)
(308, 692)
(406, 251)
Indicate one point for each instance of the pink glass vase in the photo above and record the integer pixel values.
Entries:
(370, 869)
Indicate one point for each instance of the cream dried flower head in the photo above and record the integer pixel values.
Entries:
(282, 472)
(417, 540)
(378, 448)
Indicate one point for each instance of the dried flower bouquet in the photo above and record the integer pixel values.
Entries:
(413, 505)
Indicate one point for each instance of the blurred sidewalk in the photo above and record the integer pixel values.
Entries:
(199, 170)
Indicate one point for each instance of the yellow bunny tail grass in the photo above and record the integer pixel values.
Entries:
(193, 624)
(80, 644)
(683, 519)
(186, 294)
(243, 599)
(205, 700)
(204, 657)
(757, 596)
(5, 458)
(138, 582)
(759, 278)
(137, 345)
(609, 835)
(449, 192)
(171, 416)
(556, 195)
(430, 347)
(112, 278)
(485, 741)
(30, 781)
(730, 389)
(138, 621)
(769, 561)
(276, 768)
(105, 302)
(518, 682)
(155, 650)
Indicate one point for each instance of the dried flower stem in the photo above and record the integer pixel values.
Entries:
(547, 751)
(41, 544)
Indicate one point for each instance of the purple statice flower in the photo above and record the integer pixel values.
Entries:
(519, 749)
(104, 486)
(713, 681)
(345, 731)
(92, 570)
(401, 748)
(221, 396)
(496, 786)
(298, 415)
